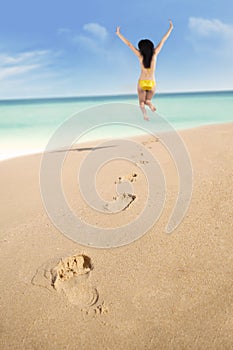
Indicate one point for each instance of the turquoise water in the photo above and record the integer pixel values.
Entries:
(27, 125)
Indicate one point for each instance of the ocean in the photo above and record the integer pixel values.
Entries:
(27, 125)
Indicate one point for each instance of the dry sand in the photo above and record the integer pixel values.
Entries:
(160, 292)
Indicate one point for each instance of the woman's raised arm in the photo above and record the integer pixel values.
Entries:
(127, 42)
(160, 45)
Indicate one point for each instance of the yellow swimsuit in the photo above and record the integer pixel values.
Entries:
(146, 84)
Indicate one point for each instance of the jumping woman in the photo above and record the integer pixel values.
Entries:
(147, 55)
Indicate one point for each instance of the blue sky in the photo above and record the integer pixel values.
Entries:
(58, 48)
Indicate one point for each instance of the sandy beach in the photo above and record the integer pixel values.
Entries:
(163, 291)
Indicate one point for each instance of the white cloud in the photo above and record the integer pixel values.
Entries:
(211, 37)
(99, 42)
(6, 59)
(11, 65)
(95, 40)
(207, 27)
(97, 30)
(16, 70)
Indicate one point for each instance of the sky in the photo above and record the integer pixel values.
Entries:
(69, 48)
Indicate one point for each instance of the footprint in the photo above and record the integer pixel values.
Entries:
(144, 162)
(71, 276)
(70, 267)
(125, 197)
(101, 309)
(120, 203)
(151, 140)
(130, 177)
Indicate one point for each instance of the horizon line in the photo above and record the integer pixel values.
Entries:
(109, 95)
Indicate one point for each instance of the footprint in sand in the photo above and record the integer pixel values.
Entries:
(70, 276)
(125, 197)
(150, 141)
(119, 203)
(130, 177)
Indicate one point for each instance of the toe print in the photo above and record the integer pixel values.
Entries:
(71, 276)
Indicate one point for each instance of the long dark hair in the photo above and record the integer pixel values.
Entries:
(146, 48)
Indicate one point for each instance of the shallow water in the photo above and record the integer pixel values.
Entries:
(27, 125)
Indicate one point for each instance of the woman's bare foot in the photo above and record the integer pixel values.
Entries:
(150, 105)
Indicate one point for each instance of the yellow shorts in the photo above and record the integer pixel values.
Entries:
(146, 84)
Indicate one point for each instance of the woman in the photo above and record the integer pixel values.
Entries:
(147, 55)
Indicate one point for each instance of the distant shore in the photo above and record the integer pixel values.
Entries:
(106, 96)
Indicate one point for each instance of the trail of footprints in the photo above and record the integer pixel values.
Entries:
(71, 274)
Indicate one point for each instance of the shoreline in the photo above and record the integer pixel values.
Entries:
(18, 154)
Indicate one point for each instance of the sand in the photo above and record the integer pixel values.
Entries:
(163, 291)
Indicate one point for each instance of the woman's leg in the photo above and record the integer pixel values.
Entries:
(149, 95)
(142, 100)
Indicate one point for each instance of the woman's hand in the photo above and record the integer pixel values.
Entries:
(171, 24)
(118, 31)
